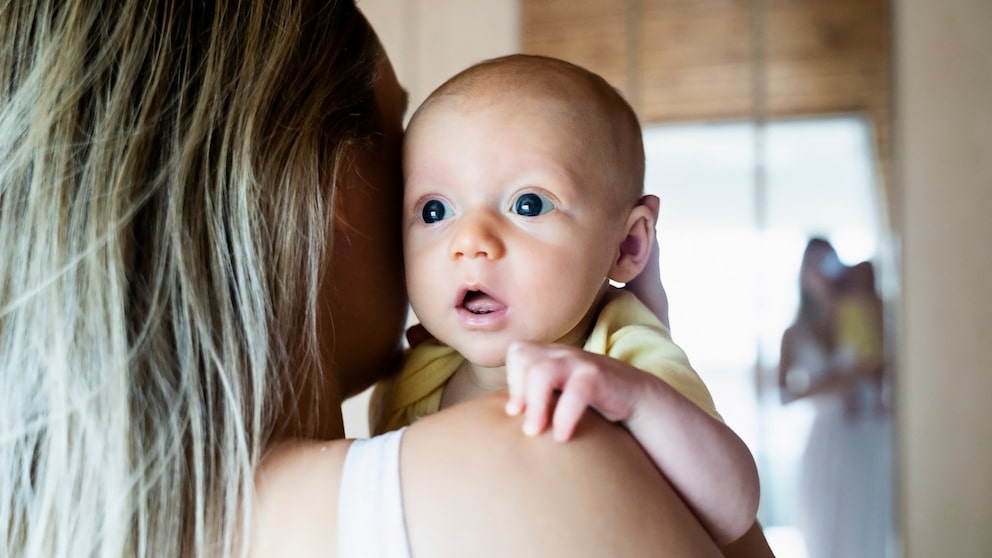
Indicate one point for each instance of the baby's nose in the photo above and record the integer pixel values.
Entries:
(477, 237)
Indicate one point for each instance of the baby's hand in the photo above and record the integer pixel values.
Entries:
(536, 371)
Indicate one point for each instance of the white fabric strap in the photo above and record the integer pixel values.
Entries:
(370, 509)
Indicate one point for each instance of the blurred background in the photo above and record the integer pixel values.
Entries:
(767, 122)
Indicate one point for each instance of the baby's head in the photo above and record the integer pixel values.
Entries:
(523, 180)
(576, 105)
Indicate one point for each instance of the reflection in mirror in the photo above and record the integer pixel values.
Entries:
(731, 259)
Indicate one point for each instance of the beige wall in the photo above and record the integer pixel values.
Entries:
(944, 194)
(429, 41)
(944, 123)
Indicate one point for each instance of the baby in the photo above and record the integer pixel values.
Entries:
(523, 199)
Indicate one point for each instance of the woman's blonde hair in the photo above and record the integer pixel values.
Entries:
(167, 173)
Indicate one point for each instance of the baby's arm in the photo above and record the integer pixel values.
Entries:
(706, 462)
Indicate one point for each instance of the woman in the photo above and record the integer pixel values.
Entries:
(831, 356)
(199, 227)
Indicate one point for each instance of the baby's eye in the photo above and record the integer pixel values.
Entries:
(532, 205)
(435, 210)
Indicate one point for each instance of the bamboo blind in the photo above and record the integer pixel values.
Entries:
(691, 60)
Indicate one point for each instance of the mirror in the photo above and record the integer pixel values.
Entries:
(766, 123)
(731, 261)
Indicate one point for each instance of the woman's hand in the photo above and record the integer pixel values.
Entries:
(647, 286)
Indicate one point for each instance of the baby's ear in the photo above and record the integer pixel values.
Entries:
(635, 249)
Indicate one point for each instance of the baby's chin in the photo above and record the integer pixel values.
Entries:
(487, 357)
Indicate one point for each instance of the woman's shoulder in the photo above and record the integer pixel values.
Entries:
(296, 499)
(474, 485)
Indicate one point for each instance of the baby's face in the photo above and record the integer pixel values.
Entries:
(507, 233)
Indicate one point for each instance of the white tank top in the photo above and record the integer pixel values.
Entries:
(370, 508)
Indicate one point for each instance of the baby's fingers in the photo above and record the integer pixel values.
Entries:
(533, 373)
(573, 402)
(515, 379)
(541, 381)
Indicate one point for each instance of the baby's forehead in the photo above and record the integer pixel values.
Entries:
(556, 110)
(555, 127)
(539, 106)
(566, 87)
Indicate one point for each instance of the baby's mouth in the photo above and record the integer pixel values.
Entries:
(480, 302)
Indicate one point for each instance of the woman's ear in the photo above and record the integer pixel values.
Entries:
(635, 248)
